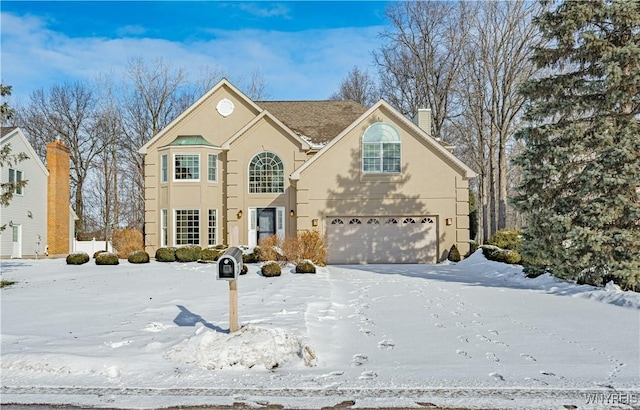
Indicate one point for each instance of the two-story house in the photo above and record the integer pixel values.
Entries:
(232, 170)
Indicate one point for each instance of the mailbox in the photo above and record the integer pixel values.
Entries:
(230, 264)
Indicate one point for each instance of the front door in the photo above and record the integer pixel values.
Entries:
(266, 222)
(17, 242)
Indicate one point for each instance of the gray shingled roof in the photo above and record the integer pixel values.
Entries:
(5, 130)
(319, 121)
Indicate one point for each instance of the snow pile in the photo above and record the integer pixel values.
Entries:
(250, 347)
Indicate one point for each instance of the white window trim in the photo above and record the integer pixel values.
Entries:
(199, 167)
(253, 222)
(164, 168)
(284, 174)
(381, 147)
(19, 191)
(217, 226)
(215, 177)
(175, 226)
(164, 228)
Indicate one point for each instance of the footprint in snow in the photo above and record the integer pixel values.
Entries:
(439, 305)
(528, 357)
(433, 315)
(477, 315)
(386, 345)
(454, 313)
(475, 322)
(359, 359)
(501, 344)
(496, 376)
(463, 353)
(463, 339)
(494, 332)
(460, 324)
(367, 332)
(483, 338)
(368, 375)
(492, 357)
(333, 374)
(440, 325)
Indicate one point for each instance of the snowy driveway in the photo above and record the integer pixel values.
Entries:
(474, 333)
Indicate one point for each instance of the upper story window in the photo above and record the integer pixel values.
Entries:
(15, 177)
(266, 174)
(187, 167)
(212, 173)
(164, 168)
(381, 148)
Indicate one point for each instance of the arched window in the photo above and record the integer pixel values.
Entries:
(266, 174)
(381, 148)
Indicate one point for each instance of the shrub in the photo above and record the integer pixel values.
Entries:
(501, 255)
(305, 266)
(309, 245)
(126, 241)
(506, 239)
(77, 258)
(220, 246)
(252, 257)
(138, 257)
(189, 253)
(166, 254)
(244, 269)
(454, 254)
(96, 253)
(271, 249)
(211, 254)
(473, 247)
(271, 268)
(107, 258)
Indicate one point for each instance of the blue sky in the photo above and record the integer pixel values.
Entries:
(303, 49)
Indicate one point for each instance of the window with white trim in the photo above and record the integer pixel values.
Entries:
(381, 149)
(212, 169)
(164, 223)
(187, 227)
(186, 167)
(266, 174)
(16, 177)
(164, 168)
(212, 227)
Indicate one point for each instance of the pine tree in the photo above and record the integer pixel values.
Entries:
(580, 186)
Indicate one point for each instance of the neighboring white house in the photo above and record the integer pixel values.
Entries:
(25, 218)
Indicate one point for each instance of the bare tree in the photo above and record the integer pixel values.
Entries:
(358, 86)
(67, 112)
(419, 64)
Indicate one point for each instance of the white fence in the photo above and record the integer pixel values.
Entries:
(92, 246)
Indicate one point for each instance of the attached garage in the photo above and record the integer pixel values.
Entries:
(393, 239)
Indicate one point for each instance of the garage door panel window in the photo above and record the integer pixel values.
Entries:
(381, 149)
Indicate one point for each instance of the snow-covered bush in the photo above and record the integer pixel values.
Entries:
(138, 257)
(189, 253)
(454, 254)
(107, 258)
(211, 254)
(271, 268)
(96, 253)
(77, 258)
(305, 266)
(253, 256)
(497, 254)
(166, 254)
(244, 269)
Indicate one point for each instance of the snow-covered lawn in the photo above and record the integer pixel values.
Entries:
(474, 334)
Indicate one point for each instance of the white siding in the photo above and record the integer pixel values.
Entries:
(33, 201)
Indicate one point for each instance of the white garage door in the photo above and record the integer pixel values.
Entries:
(402, 239)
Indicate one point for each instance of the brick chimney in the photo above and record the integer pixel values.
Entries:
(58, 199)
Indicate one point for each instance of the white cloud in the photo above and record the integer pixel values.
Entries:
(133, 30)
(265, 9)
(296, 65)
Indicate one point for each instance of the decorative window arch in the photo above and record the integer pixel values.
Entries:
(337, 222)
(266, 174)
(355, 221)
(381, 149)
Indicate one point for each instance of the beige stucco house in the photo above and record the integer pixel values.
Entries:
(232, 170)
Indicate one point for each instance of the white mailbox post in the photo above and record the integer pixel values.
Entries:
(229, 267)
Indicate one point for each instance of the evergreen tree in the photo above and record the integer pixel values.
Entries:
(580, 186)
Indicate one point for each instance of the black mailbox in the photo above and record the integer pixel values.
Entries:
(230, 264)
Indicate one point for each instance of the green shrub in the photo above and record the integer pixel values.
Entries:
(166, 254)
(189, 253)
(244, 269)
(221, 246)
(96, 253)
(271, 268)
(305, 266)
(473, 247)
(107, 258)
(501, 255)
(506, 239)
(454, 254)
(77, 258)
(138, 257)
(252, 257)
(211, 254)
